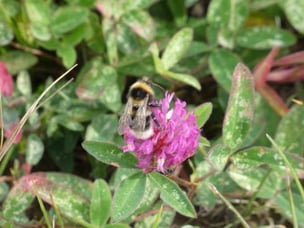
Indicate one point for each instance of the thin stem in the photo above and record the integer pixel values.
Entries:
(229, 205)
(9, 141)
(292, 206)
(254, 195)
(293, 172)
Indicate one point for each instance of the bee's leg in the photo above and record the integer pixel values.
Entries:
(153, 105)
(155, 120)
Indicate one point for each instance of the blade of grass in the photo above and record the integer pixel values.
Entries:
(254, 195)
(33, 108)
(5, 161)
(292, 171)
(157, 219)
(43, 210)
(292, 206)
(57, 91)
(81, 222)
(228, 204)
(57, 213)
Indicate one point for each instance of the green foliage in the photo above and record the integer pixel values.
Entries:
(171, 194)
(201, 50)
(240, 110)
(124, 201)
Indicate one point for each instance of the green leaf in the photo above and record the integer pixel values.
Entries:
(219, 155)
(221, 180)
(177, 47)
(150, 197)
(127, 41)
(137, 63)
(110, 9)
(290, 131)
(203, 113)
(264, 38)
(16, 202)
(141, 23)
(251, 179)
(98, 82)
(129, 5)
(159, 66)
(100, 207)
(39, 15)
(172, 195)
(6, 33)
(197, 48)
(80, 185)
(266, 121)
(228, 14)
(212, 32)
(4, 188)
(294, 13)
(117, 225)
(55, 189)
(68, 55)
(77, 35)
(102, 128)
(12, 8)
(240, 111)
(226, 38)
(85, 3)
(128, 196)
(34, 149)
(222, 63)
(185, 78)
(218, 12)
(24, 83)
(259, 155)
(50, 44)
(110, 154)
(178, 10)
(17, 61)
(108, 29)
(282, 203)
(69, 123)
(256, 156)
(112, 97)
(94, 78)
(120, 175)
(67, 18)
(239, 11)
(256, 5)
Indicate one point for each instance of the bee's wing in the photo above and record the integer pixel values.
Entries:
(125, 119)
(139, 122)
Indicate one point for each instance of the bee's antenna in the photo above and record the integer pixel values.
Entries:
(146, 79)
(158, 86)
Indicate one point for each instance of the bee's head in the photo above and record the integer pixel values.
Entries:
(138, 93)
(140, 89)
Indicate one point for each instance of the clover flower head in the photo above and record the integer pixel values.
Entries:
(175, 138)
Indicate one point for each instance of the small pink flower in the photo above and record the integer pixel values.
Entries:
(6, 81)
(174, 140)
(10, 129)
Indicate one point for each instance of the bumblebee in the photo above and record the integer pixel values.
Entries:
(137, 114)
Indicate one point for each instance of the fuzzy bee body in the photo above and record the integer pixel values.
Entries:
(137, 114)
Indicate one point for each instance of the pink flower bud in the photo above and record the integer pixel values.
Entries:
(6, 81)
